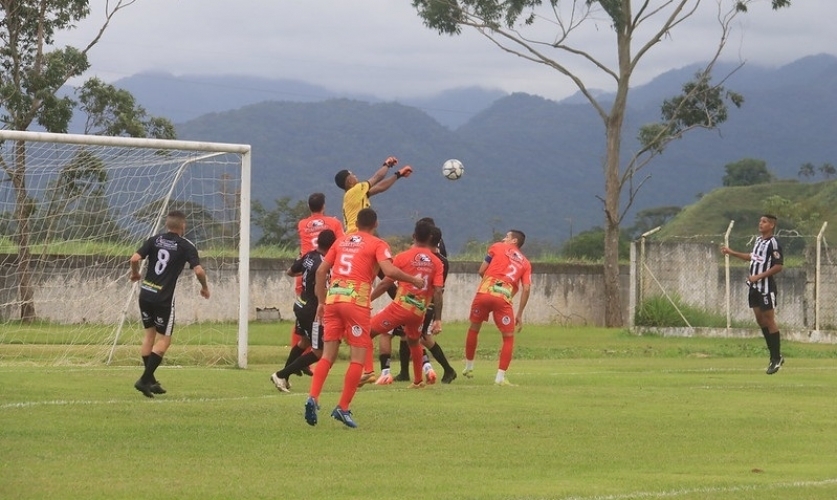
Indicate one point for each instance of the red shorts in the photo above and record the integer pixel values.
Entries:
(499, 307)
(344, 320)
(394, 315)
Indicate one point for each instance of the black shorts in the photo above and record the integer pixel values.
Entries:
(158, 315)
(764, 301)
(306, 326)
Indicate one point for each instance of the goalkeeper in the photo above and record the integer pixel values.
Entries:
(357, 193)
(356, 198)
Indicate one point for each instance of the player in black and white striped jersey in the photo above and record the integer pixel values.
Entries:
(766, 261)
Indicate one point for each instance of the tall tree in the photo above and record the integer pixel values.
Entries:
(279, 226)
(32, 71)
(806, 170)
(747, 172)
(827, 170)
(544, 32)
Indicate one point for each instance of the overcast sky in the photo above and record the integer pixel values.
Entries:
(381, 47)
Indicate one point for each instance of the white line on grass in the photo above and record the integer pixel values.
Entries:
(708, 490)
(71, 402)
(168, 400)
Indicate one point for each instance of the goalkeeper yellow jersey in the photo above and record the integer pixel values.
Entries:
(355, 200)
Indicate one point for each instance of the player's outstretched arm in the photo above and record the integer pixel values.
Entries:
(387, 183)
(379, 174)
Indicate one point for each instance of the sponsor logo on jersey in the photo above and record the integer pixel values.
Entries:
(514, 255)
(354, 240)
(422, 260)
(166, 243)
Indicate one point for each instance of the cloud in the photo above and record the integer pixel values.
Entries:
(381, 47)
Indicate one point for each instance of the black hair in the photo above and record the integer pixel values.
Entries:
(519, 235)
(316, 202)
(422, 232)
(367, 218)
(325, 239)
(435, 236)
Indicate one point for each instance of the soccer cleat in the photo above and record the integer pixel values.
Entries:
(282, 384)
(144, 388)
(449, 376)
(504, 383)
(344, 416)
(429, 375)
(367, 378)
(774, 365)
(402, 377)
(416, 385)
(384, 379)
(156, 388)
(311, 408)
(468, 373)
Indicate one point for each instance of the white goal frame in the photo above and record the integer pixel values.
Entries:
(244, 150)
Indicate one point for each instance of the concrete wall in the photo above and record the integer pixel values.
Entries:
(697, 274)
(97, 290)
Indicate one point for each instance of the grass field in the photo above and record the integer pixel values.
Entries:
(596, 414)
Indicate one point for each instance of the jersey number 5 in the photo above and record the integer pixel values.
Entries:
(345, 268)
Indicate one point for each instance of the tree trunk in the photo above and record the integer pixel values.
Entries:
(612, 288)
(24, 255)
(613, 184)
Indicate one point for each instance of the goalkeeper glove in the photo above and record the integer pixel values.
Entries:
(404, 172)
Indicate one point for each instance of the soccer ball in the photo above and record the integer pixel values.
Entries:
(453, 169)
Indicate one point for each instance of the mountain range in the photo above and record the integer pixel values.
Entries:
(530, 163)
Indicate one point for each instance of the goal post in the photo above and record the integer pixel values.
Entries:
(72, 210)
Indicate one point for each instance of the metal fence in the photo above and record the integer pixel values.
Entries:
(704, 288)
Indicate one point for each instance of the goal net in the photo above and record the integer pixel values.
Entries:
(74, 208)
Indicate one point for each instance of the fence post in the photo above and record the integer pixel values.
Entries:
(726, 276)
(817, 280)
(641, 263)
(632, 286)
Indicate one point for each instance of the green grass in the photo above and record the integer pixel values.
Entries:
(661, 311)
(596, 414)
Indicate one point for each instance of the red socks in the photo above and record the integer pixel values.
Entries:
(319, 378)
(471, 345)
(350, 382)
(506, 352)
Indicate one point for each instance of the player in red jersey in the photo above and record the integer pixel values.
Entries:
(308, 229)
(344, 308)
(410, 304)
(504, 272)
